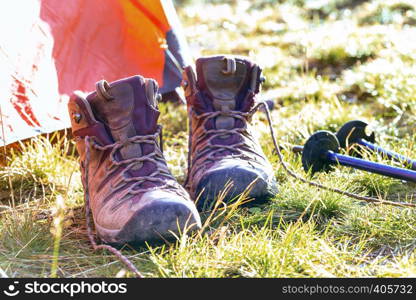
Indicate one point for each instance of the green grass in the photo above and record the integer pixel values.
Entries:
(326, 62)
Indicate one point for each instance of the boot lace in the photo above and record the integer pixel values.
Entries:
(156, 157)
(207, 151)
(206, 137)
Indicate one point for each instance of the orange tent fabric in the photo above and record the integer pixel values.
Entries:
(55, 47)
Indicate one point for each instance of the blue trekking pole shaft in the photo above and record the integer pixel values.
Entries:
(372, 167)
(390, 154)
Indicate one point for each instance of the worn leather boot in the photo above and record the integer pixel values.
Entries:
(132, 195)
(220, 98)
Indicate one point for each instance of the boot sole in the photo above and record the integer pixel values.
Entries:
(159, 221)
(263, 186)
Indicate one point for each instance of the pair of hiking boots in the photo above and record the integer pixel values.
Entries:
(132, 195)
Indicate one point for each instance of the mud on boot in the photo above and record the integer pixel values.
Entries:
(128, 187)
(220, 97)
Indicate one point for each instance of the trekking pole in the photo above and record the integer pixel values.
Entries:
(353, 132)
(320, 153)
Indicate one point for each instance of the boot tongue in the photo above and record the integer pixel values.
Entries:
(224, 80)
(127, 107)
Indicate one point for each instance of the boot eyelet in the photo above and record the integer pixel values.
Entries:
(184, 84)
(77, 117)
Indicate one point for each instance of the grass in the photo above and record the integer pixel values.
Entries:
(326, 62)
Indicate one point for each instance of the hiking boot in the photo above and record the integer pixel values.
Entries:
(222, 150)
(132, 195)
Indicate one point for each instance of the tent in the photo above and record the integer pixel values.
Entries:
(49, 48)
